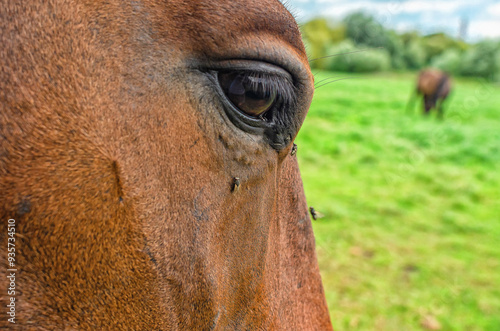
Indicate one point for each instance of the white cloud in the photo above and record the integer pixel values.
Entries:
(418, 6)
(484, 28)
(494, 9)
(425, 15)
(341, 8)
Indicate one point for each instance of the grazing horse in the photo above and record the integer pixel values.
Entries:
(434, 85)
(146, 167)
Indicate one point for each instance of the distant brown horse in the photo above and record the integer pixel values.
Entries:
(145, 161)
(434, 85)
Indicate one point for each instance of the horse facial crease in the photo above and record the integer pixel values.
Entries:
(146, 155)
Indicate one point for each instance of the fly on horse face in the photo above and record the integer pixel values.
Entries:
(145, 158)
(434, 85)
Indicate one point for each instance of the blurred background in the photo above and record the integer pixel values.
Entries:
(410, 238)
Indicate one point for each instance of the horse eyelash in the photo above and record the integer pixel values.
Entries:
(271, 82)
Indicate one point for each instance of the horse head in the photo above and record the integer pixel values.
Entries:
(146, 159)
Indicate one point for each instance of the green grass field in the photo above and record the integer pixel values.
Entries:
(411, 234)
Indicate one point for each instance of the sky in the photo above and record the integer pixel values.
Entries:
(426, 16)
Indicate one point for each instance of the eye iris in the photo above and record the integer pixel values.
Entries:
(249, 94)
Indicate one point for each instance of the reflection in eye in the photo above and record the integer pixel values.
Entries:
(252, 93)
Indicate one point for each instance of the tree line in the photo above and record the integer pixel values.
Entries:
(359, 43)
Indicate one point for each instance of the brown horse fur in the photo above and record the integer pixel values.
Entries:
(434, 86)
(117, 163)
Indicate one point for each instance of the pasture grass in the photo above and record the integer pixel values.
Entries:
(411, 234)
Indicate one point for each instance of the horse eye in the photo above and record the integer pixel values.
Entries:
(251, 94)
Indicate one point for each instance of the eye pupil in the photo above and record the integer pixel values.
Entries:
(249, 94)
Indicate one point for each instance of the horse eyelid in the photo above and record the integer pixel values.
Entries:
(275, 77)
(271, 81)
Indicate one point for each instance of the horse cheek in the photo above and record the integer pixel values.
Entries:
(301, 291)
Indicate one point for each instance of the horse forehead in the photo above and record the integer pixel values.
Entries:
(206, 24)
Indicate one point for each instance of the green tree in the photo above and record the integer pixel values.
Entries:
(482, 60)
(436, 44)
(414, 54)
(319, 36)
(449, 61)
(366, 31)
(353, 59)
